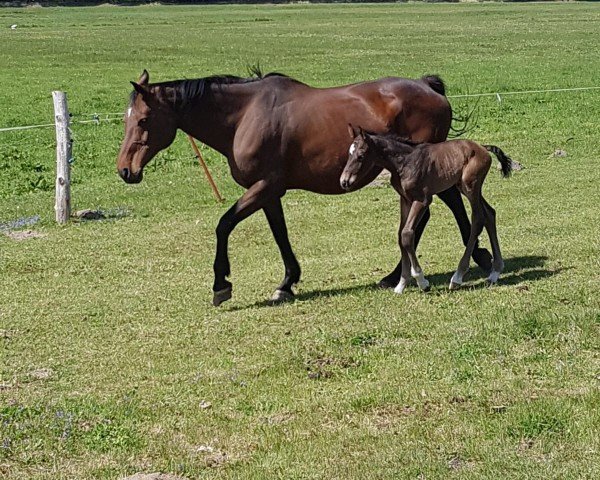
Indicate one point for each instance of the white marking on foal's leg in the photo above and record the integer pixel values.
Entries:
(420, 278)
(401, 285)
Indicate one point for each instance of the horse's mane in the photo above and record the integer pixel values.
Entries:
(183, 92)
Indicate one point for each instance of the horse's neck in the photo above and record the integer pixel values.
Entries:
(213, 118)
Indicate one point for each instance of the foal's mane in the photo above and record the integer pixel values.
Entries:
(182, 92)
(391, 137)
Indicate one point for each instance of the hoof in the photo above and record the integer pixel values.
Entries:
(221, 296)
(455, 286)
(424, 285)
(281, 296)
(493, 278)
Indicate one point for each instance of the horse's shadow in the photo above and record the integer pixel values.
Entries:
(516, 270)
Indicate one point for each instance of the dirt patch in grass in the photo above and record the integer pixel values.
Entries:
(153, 476)
(41, 374)
(24, 235)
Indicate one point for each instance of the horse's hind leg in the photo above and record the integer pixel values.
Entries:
(452, 198)
(477, 222)
(276, 219)
(490, 226)
(415, 214)
(255, 198)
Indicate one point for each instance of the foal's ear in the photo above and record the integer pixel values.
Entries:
(144, 78)
(352, 131)
(140, 88)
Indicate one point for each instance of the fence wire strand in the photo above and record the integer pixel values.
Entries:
(105, 117)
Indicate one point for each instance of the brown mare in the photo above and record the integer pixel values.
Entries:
(424, 170)
(279, 134)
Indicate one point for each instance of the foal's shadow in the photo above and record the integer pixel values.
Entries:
(516, 270)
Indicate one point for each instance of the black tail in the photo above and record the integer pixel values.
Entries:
(464, 121)
(505, 161)
(436, 83)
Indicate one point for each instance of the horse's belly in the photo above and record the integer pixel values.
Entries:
(326, 181)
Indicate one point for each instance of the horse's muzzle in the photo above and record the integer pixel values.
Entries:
(347, 182)
(130, 177)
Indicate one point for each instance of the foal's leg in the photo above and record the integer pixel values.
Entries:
(477, 221)
(393, 279)
(276, 219)
(255, 198)
(404, 260)
(415, 214)
(490, 226)
(452, 198)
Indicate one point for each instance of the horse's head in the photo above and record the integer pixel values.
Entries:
(360, 158)
(150, 126)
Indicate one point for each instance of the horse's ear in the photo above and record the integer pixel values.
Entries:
(144, 78)
(140, 88)
(361, 132)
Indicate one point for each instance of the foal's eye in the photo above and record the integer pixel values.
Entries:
(142, 122)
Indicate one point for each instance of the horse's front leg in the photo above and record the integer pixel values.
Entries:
(276, 219)
(255, 198)
(393, 279)
(405, 274)
(416, 212)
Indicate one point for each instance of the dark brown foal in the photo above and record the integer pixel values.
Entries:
(426, 169)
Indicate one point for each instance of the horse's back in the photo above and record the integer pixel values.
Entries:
(305, 129)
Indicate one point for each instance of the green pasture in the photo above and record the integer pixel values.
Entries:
(113, 360)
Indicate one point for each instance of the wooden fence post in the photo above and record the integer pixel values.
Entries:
(62, 204)
(205, 168)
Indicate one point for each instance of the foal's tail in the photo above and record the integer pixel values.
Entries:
(505, 161)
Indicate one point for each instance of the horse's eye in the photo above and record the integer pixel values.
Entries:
(142, 122)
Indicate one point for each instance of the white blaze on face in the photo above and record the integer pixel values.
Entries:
(352, 149)
(129, 112)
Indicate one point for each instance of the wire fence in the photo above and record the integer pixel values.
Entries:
(91, 118)
(97, 118)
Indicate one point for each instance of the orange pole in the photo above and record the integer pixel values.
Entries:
(205, 168)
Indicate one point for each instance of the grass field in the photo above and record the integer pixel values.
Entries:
(114, 362)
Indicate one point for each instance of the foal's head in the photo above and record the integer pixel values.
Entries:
(361, 157)
(150, 126)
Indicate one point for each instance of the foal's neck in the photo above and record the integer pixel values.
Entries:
(392, 152)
